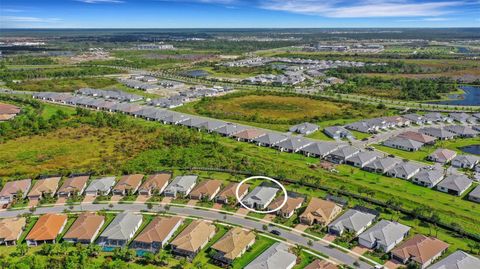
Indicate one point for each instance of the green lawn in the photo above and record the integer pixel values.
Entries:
(260, 245)
(202, 257)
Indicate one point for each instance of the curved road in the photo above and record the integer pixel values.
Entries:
(208, 214)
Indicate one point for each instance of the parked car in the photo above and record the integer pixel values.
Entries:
(275, 232)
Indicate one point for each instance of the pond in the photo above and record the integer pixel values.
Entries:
(473, 149)
(471, 97)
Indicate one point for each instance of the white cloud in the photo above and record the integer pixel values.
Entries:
(28, 19)
(11, 10)
(362, 8)
(101, 1)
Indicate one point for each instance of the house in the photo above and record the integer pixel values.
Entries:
(455, 184)
(85, 228)
(353, 221)
(206, 190)
(457, 260)
(419, 249)
(101, 186)
(174, 118)
(248, 135)
(438, 133)
(340, 155)
(428, 177)
(193, 238)
(232, 245)
(293, 144)
(321, 264)
(260, 197)
(461, 117)
(363, 127)
(320, 212)
(419, 137)
(11, 229)
(122, 228)
(275, 257)
(157, 233)
(230, 129)
(44, 187)
(382, 165)
(415, 118)
(384, 235)
(128, 184)
(8, 111)
(192, 121)
(319, 149)
(404, 170)
(287, 210)
(475, 195)
(210, 125)
(436, 117)
(305, 128)
(402, 144)
(363, 158)
(338, 132)
(228, 194)
(442, 156)
(46, 229)
(465, 161)
(181, 185)
(73, 186)
(396, 121)
(155, 184)
(269, 139)
(462, 130)
(12, 189)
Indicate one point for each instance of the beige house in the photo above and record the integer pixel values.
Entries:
(155, 184)
(128, 184)
(193, 238)
(232, 245)
(206, 190)
(228, 193)
(10, 230)
(73, 186)
(320, 212)
(44, 187)
(286, 211)
(85, 228)
(419, 249)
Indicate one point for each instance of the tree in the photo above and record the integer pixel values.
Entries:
(21, 249)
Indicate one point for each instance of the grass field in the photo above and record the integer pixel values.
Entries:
(62, 84)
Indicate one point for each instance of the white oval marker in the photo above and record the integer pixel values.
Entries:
(260, 211)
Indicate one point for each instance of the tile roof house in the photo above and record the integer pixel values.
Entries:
(319, 149)
(457, 260)
(320, 212)
(192, 121)
(321, 264)
(402, 143)
(382, 165)
(174, 118)
(419, 137)
(248, 135)
(85, 228)
(46, 229)
(363, 127)
(128, 184)
(305, 128)
(206, 190)
(460, 117)
(436, 117)
(287, 210)
(12, 188)
(293, 144)
(230, 129)
(210, 125)
(11, 229)
(337, 132)
(193, 238)
(155, 184)
(232, 245)
(120, 230)
(260, 197)
(442, 156)
(475, 195)
(275, 257)
(428, 177)
(342, 154)
(43, 187)
(157, 233)
(227, 195)
(404, 170)
(269, 139)
(462, 131)
(353, 221)
(419, 249)
(415, 118)
(384, 235)
(181, 185)
(101, 186)
(455, 184)
(465, 161)
(8, 111)
(363, 158)
(73, 186)
(439, 133)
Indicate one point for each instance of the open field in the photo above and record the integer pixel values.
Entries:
(62, 85)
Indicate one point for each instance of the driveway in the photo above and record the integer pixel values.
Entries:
(142, 198)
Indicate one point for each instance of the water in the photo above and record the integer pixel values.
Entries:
(473, 149)
(471, 97)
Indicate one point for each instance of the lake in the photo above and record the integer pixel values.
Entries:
(471, 97)
(473, 149)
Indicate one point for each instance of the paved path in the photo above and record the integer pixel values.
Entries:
(209, 214)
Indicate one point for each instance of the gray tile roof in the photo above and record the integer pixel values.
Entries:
(385, 232)
(346, 151)
(270, 138)
(321, 148)
(122, 226)
(181, 183)
(461, 130)
(403, 143)
(457, 260)
(475, 193)
(294, 143)
(437, 132)
(304, 128)
(456, 182)
(365, 157)
(275, 257)
(384, 164)
(210, 125)
(353, 220)
(405, 168)
(430, 176)
(230, 129)
(101, 184)
(260, 194)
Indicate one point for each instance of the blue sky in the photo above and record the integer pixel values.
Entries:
(237, 13)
